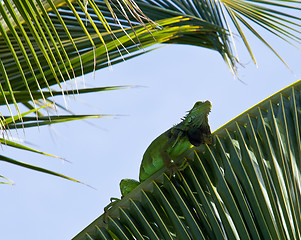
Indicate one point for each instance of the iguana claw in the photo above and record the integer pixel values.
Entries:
(174, 168)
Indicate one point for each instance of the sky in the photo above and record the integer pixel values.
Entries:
(103, 151)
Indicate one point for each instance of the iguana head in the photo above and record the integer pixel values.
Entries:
(196, 123)
(198, 114)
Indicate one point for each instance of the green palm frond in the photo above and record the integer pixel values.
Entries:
(272, 16)
(280, 18)
(25, 121)
(33, 36)
(6, 180)
(35, 56)
(32, 167)
(23, 96)
(245, 186)
(43, 43)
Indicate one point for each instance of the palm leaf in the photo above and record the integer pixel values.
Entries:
(32, 35)
(34, 56)
(35, 168)
(26, 121)
(7, 181)
(245, 186)
(279, 18)
(43, 43)
(23, 96)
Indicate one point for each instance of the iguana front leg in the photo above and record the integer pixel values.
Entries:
(168, 162)
(173, 149)
(173, 165)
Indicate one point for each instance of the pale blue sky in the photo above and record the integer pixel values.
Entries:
(40, 206)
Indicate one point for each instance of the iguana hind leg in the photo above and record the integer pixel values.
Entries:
(168, 162)
(113, 201)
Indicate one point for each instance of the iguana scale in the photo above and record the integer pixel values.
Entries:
(174, 144)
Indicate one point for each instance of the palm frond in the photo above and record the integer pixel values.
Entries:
(83, 56)
(35, 168)
(25, 121)
(272, 16)
(281, 18)
(32, 35)
(22, 96)
(245, 186)
(43, 43)
(7, 181)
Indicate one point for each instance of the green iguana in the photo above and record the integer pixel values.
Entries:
(174, 144)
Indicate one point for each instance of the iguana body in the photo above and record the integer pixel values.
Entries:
(174, 144)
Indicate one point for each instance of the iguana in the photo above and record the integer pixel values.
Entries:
(174, 144)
